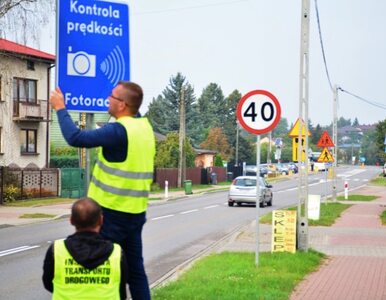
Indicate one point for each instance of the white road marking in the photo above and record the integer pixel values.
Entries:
(212, 206)
(16, 250)
(188, 211)
(163, 217)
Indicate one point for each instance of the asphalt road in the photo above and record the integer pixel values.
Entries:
(175, 231)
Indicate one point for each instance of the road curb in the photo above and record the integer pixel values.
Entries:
(176, 272)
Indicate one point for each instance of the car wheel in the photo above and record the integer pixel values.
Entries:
(230, 203)
(238, 203)
(269, 203)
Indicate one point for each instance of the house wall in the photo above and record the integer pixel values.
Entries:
(11, 67)
(56, 136)
(204, 160)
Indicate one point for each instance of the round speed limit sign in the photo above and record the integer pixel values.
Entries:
(258, 112)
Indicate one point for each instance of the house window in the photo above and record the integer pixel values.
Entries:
(28, 141)
(30, 65)
(24, 90)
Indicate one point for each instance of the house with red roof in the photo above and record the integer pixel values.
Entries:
(24, 110)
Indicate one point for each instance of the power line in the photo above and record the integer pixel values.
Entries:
(189, 7)
(321, 44)
(376, 104)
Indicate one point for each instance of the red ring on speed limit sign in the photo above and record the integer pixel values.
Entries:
(258, 111)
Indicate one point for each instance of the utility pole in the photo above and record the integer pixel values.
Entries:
(182, 160)
(269, 147)
(237, 144)
(302, 220)
(335, 141)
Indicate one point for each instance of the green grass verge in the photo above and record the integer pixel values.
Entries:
(379, 181)
(357, 198)
(234, 275)
(383, 217)
(36, 216)
(39, 202)
(328, 214)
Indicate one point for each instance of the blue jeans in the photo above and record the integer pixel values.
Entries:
(125, 229)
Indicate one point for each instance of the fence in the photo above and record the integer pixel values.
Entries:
(73, 182)
(17, 184)
(196, 175)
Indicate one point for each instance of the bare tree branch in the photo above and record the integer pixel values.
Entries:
(7, 5)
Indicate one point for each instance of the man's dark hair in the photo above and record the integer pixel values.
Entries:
(133, 95)
(85, 213)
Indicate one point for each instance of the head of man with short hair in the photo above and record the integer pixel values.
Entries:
(132, 94)
(125, 99)
(86, 215)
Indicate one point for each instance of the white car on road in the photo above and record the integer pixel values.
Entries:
(243, 190)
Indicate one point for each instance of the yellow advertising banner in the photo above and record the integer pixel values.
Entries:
(284, 231)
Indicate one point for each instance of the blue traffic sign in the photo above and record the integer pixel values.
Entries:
(93, 52)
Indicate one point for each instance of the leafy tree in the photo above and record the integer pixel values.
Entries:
(380, 137)
(218, 161)
(164, 112)
(343, 122)
(158, 115)
(356, 122)
(281, 129)
(167, 155)
(211, 106)
(216, 140)
(230, 125)
(245, 152)
(369, 148)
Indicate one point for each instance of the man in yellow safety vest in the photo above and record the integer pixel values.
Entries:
(85, 265)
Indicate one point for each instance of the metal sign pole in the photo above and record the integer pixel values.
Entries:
(89, 125)
(257, 197)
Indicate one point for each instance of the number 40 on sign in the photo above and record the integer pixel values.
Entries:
(258, 112)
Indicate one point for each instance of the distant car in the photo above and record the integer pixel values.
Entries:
(243, 190)
(250, 170)
(293, 167)
(283, 169)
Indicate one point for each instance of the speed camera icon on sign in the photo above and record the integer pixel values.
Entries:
(258, 111)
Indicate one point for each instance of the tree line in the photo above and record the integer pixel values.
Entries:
(211, 125)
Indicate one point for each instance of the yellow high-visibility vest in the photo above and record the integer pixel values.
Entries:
(125, 186)
(73, 281)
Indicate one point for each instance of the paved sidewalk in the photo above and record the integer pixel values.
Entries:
(356, 249)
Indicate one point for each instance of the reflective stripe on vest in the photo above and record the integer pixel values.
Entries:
(129, 175)
(73, 281)
(117, 191)
(124, 186)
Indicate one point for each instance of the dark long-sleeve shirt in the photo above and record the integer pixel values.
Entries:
(111, 137)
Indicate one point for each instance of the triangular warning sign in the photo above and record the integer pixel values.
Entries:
(325, 141)
(295, 129)
(325, 156)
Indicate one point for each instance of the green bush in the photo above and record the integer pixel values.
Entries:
(66, 151)
(64, 162)
(11, 193)
(155, 187)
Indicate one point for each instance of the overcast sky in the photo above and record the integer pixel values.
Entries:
(255, 44)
